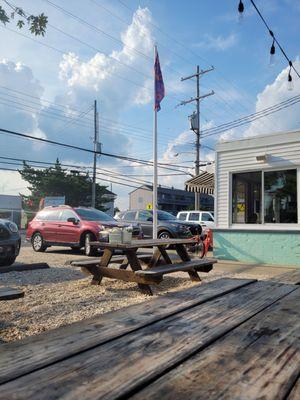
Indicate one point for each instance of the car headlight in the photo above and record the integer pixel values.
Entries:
(12, 227)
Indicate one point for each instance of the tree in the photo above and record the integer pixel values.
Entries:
(56, 181)
(37, 23)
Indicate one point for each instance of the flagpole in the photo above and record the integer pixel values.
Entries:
(155, 159)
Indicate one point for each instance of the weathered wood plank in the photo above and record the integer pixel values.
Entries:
(135, 244)
(116, 368)
(24, 267)
(199, 265)
(23, 356)
(114, 260)
(295, 393)
(292, 277)
(8, 293)
(128, 276)
(258, 360)
(136, 266)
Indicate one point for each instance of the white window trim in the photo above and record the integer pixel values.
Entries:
(263, 225)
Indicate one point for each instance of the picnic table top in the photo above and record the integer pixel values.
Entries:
(230, 338)
(143, 243)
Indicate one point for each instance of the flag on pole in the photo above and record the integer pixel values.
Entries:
(159, 84)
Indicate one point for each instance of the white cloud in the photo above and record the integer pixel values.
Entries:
(219, 43)
(281, 121)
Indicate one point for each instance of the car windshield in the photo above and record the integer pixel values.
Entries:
(93, 215)
(165, 216)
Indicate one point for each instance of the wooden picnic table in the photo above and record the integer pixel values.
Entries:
(153, 273)
(227, 339)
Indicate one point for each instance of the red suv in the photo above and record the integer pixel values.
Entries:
(72, 227)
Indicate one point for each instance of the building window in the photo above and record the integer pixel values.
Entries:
(140, 200)
(272, 192)
(280, 196)
(246, 198)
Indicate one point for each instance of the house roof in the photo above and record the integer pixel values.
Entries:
(203, 183)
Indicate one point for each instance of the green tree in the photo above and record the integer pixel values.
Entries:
(56, 181)
(37, 23)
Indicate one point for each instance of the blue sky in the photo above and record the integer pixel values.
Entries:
(74, 72)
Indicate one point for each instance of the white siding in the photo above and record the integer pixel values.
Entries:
(283, 151)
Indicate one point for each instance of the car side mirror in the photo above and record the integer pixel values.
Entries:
(73, 220)
(150, 219)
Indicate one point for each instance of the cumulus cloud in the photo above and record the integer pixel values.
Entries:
(276, 92)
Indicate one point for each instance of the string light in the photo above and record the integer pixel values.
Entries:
(272, 50)
(290, 79)
(241, 10)
(275, 40)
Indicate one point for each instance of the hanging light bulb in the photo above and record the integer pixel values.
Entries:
(241, 10)
(290, 79)
(272, 49)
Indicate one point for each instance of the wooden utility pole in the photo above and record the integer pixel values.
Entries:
(196, 128)
(96, 142)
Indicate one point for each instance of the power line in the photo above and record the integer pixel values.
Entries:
(274, 38)
(252, 117)
(56, 143)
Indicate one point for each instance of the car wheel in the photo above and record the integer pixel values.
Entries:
(88, 249)
(164, 235)
(37, 243)
(7, 261)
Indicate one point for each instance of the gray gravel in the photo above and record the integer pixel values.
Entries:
(62, 294)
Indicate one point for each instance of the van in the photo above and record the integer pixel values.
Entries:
(205, 218)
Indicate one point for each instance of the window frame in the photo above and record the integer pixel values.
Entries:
(264, 225)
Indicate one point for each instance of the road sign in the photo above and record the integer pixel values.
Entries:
(149, 206)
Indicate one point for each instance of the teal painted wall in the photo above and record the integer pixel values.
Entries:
(277, 248)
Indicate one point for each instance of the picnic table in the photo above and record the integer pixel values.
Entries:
(153, 274)
(227, 339)
(8, 293)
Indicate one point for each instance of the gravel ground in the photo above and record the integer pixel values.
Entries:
(62, 294)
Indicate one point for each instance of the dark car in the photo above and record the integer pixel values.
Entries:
(74, 227)
(10, 242)
(168, 225)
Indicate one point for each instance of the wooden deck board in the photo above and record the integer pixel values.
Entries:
(295, 392)
(292, 277)
(259, 359)
(120, 366)
(23, 356)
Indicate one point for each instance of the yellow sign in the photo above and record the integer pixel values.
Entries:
(149, 206)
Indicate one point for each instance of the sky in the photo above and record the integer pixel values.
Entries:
(103, 50)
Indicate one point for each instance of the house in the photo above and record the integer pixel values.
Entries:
(11, 208)
(257, 207)
(168, 199)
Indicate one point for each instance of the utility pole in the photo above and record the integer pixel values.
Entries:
(96, 148)
(195, 121)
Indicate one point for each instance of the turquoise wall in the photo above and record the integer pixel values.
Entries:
(277, 248)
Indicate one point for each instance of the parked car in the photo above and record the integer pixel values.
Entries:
(73, 227)
(205, 218)
(168, 225)
(10, 242)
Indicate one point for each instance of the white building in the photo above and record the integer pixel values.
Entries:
(257, 200)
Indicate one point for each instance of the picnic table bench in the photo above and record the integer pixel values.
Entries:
(153, 274)
(229, 339)
(8, 293)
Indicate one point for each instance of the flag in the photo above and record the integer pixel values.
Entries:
(159, 84)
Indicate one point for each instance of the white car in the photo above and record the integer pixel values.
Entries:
(205, 218)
